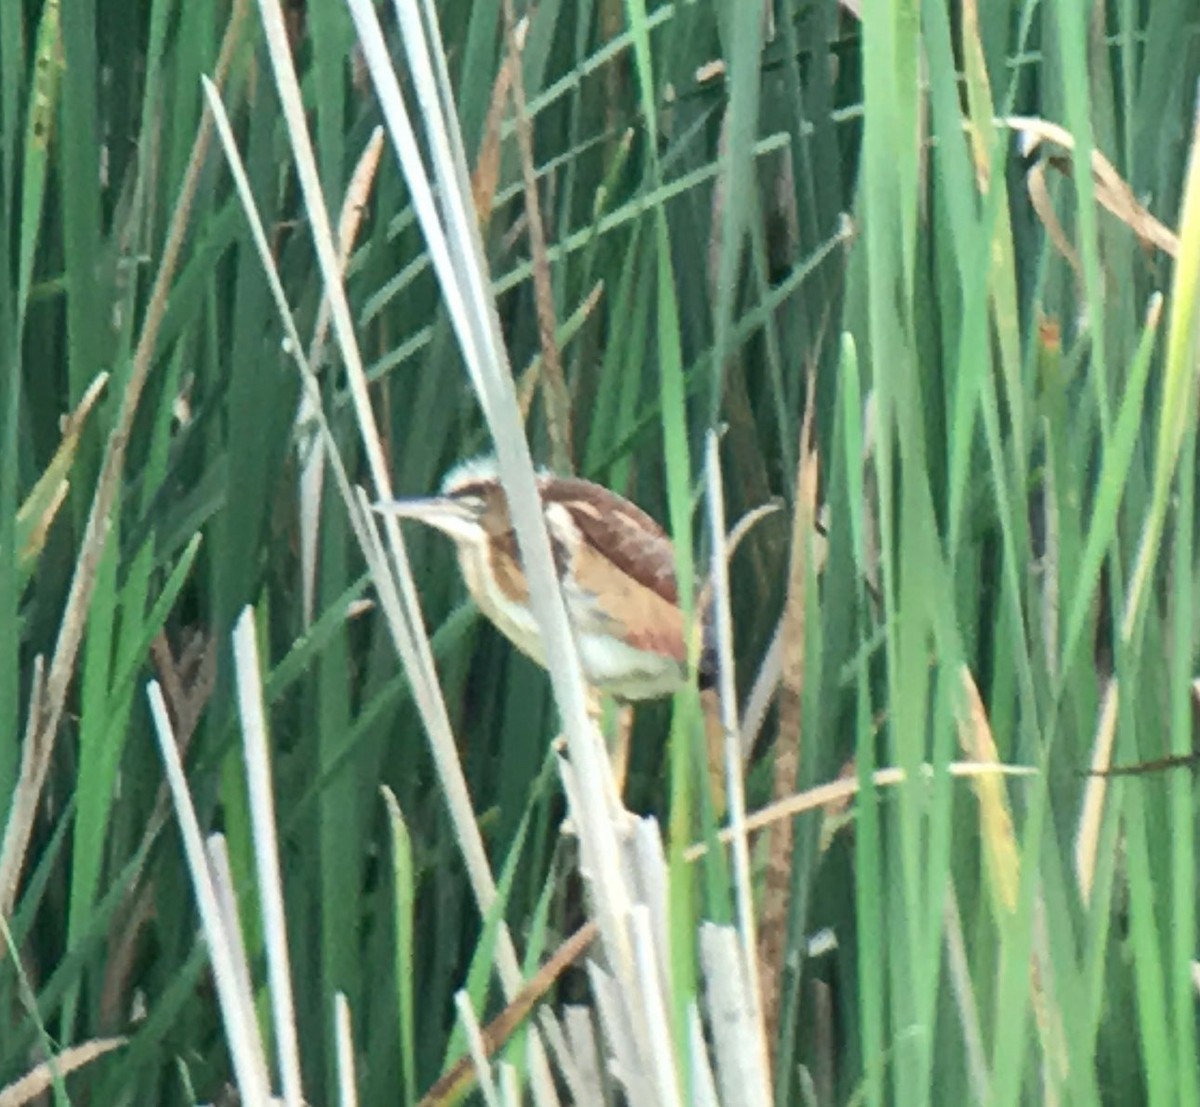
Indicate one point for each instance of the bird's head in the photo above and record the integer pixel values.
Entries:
(469, 508)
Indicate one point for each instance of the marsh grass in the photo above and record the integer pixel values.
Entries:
(996, 351)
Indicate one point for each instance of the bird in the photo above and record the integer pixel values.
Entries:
(615, 564)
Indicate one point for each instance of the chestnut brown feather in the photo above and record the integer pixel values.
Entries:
(621, 531)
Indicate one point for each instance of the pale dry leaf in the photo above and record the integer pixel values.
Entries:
(1087, 838)
(39, 1080)
(1112, 192)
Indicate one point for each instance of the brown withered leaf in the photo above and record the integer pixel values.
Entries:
(1112, 192)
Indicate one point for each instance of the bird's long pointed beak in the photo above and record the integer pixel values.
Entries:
(439, 512)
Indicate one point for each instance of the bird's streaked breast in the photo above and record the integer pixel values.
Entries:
(505, 605)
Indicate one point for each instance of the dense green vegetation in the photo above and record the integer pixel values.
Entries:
(751, 213)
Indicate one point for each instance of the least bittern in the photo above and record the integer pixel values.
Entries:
(616, 566)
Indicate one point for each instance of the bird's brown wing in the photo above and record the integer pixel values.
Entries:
(613, 602)
(621, 532)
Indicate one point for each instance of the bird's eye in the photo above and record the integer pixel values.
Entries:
(473, 504)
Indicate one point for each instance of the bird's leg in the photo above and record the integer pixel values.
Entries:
(595, 708)
(613, 781)
(619, 747)
(618, 756)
